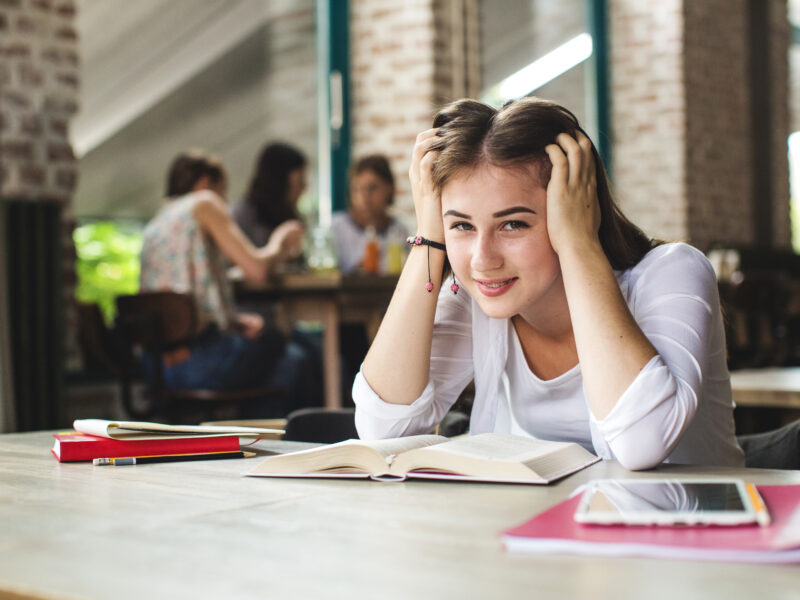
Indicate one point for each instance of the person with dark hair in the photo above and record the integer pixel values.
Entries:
(275, 187)
(367, 218)
(278, 181)
(573, 324)
(183, 250)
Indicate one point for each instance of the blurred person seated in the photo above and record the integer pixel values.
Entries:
(367, 219)
(275, 187)
(184, 250)
(367, 222)
(278, 181)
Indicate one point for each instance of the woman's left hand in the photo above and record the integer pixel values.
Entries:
(573, 211)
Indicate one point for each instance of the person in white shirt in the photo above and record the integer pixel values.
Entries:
(371, 195)
(573, 324)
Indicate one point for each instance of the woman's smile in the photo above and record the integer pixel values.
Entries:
(494, 287)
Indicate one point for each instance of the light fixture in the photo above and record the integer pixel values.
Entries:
(543, 70)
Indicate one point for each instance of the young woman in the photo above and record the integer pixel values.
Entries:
(371, 195)
(183, 250)
(573, 324)
(276, 185)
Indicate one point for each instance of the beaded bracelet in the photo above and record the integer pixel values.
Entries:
(421, 241)
(418, 240)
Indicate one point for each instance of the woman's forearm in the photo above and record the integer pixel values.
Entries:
(398, 362)
(612, 349)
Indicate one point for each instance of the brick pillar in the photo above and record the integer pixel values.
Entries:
(408, 58)
(648, 114)
(38, 96)
(780, 42)
(716, 70)
(681, 117)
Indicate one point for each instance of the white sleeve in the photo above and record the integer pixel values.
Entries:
(674, 300)
(450, 371)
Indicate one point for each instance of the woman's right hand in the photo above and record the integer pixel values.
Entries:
(427, 201)
(286, 240)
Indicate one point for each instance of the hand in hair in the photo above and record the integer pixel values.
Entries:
(573, 211)
(427, 201)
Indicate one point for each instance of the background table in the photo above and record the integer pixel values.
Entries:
(330, 300)
(769, 387)
(201, 530)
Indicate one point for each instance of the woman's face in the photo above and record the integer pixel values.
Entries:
(370, 196)
(495, 223)
(296, 185)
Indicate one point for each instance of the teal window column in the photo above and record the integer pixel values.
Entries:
(333, 111)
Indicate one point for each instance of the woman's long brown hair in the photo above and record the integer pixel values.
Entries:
(472, 133)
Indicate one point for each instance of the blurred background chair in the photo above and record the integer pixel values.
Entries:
(331, 425)
(321, 425)
(760, 297)
(778, 449)
(96, 342)
(156, 323)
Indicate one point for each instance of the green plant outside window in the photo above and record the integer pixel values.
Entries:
(108, 263)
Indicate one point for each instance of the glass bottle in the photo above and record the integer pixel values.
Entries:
(371, 263)
(321, 251)
(395, 250)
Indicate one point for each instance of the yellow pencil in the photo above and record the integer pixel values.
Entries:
(762, 515)
(137, 460)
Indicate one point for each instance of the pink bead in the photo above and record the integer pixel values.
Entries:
(418, 242)
(429, 286)
(454, 288)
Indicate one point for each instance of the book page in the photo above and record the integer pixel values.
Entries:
(129, 430)
(501, 446)
(499, 457)
(374, 457)
(395, 446)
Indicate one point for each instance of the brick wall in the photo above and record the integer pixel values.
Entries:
(780, 43)
(38, 95)
(681, 118)
(407, 58)
(39, 76)
(648, 114)
(718, 122)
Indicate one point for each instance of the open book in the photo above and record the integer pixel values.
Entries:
(495, 457)
(141, 430)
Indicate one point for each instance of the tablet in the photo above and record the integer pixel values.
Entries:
(668, 502)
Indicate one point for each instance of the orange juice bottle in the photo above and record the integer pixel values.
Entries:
(371, 263)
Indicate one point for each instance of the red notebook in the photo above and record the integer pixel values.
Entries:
(555, 531)
(81, 446)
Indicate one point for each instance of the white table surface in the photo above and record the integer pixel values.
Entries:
(201, 530)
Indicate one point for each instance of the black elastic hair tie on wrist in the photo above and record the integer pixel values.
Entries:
(418, 240)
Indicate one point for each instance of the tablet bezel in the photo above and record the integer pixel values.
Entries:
(667, 518)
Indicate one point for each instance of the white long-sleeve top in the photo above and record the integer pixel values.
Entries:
(678, 409)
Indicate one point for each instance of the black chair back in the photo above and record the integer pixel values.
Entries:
(321, 425)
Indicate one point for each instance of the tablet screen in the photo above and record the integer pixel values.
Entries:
(666, 502)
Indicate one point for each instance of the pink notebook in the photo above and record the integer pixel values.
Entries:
(554, 531)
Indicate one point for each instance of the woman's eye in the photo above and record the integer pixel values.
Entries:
(461, 226)
(514, 225)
